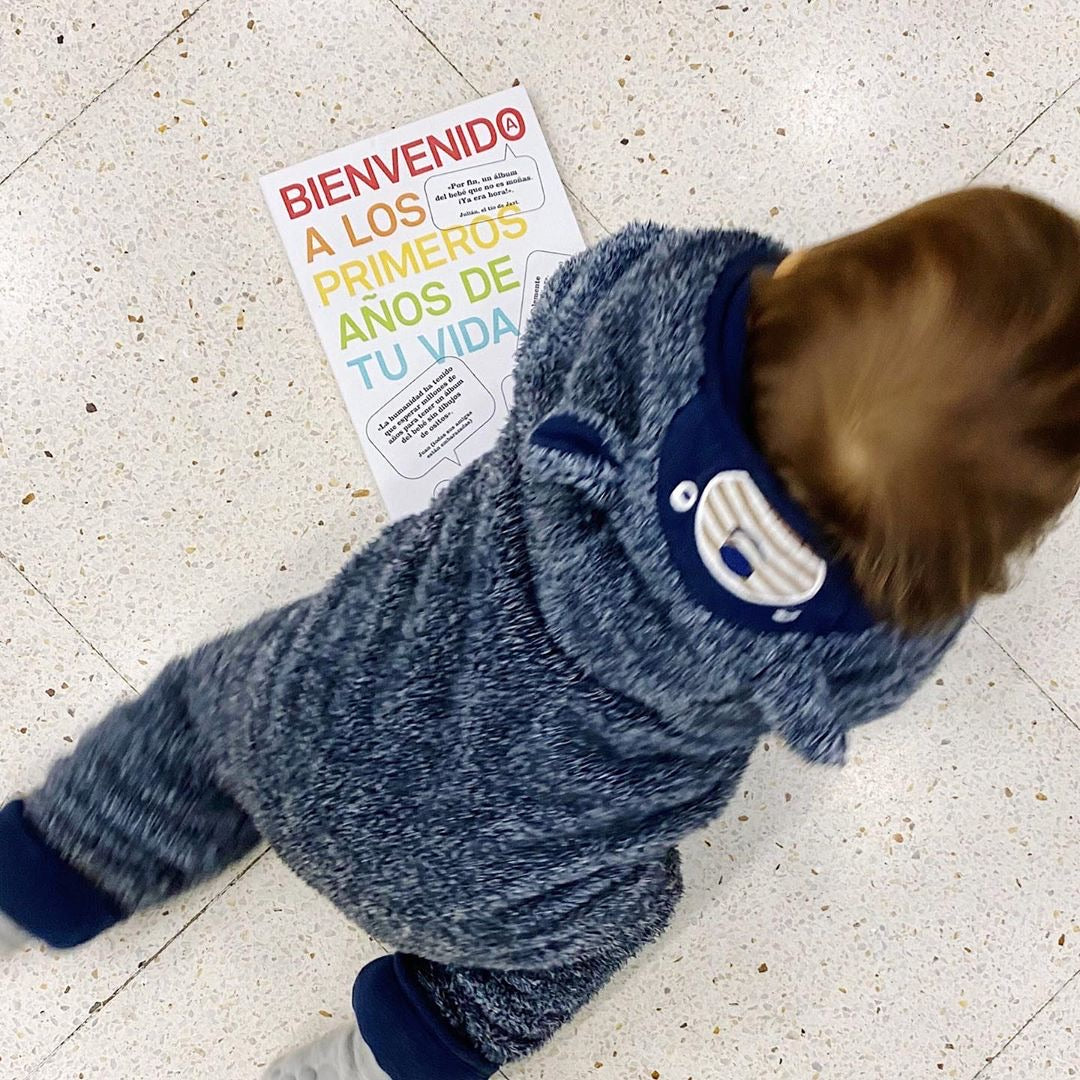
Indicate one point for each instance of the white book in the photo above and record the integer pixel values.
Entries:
(420, 253)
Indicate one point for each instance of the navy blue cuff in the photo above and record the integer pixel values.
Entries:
(39, 891)
(409, 1039)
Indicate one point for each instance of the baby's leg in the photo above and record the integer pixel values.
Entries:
(417, 1020)
(133, 816)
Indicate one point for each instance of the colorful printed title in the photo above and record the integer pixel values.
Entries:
(393, 241)
(414, 253)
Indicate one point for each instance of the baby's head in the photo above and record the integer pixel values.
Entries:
(917, 387)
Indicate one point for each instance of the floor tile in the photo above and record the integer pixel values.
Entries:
(269, 966)
(1039, 620)
(881, 920)
(167, 405)
(55, 59)
(166, 400)
(52, 683)
(806, 119)
(1047, 1046)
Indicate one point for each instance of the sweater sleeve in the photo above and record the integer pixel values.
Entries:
(878, 682)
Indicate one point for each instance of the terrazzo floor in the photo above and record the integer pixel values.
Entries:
(174, 457)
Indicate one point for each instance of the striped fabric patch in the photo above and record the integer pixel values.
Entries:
(749, 549)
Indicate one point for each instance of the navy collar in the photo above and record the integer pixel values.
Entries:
(745, 550)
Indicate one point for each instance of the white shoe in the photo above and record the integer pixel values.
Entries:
(340, 1055)
(12, 937)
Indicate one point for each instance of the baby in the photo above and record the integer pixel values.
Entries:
(740, 492)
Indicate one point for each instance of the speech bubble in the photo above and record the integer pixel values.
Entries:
(429, 419)
(539, 266)
(454, 198)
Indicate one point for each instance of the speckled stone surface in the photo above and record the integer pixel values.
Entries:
(803, 118)
(1047, 1046)
(268, 966)
(55, 59)
(167, 406)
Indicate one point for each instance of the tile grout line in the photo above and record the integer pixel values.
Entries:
(588, 210)
(1023, 1027)
(1024, 130)
(427, 37)
(3, 180)
(1027, 675)
(4, 558)
(396, 5)
(1065, 713)
(142, 966)
(101, 93)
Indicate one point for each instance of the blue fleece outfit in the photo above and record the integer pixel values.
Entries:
(483, 740)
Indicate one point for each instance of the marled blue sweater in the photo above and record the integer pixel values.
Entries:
(484, 738)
